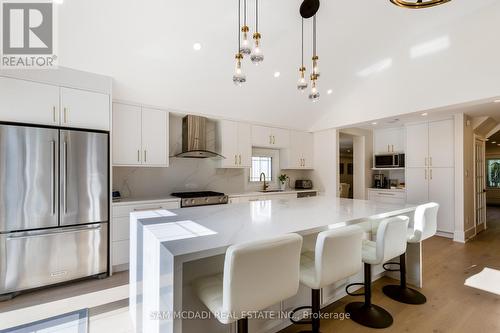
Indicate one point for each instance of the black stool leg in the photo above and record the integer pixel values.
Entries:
(242, 325)
(316, 311)
(401, 292)
(366, 313)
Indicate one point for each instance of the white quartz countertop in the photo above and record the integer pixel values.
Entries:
(133, 201)
(387, 189)
(199, 232)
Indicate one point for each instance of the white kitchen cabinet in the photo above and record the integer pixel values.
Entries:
(389, 140)
(441, 144)
(299, 155)
(387, 196)
(154, 137)
(235, 144)
(140, 136)
(84, 109)
(442, 191)
(120, 227)
(127, 131)
(270, 137)
(417, 145)
(417, 185)
(28, 102)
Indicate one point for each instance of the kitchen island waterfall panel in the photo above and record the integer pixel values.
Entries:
(162, 247)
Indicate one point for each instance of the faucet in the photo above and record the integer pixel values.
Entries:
(265, 186)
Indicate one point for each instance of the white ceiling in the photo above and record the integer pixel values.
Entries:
(147, 47)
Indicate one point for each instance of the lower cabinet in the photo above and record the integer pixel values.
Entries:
(120, 228)
(387, 196)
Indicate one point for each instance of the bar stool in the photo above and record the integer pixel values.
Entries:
(390, 243)
(256, 275)
(337, 256)
(424, 226)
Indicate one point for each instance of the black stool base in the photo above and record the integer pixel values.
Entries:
(369, 315)
(404, 295)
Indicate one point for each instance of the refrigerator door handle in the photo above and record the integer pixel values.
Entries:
(65, 177)
(53, 176)
(45, 233)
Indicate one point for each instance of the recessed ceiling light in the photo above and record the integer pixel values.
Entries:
(196, 46)
(493, 142)
(496, 101)
(374, 123)
(277, 74)
(329, 91)
(425, 114)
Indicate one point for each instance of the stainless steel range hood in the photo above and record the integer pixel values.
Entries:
(194, 138)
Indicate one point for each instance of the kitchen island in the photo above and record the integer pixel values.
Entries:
(171, 248)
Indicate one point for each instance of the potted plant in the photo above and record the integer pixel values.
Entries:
(282, 179)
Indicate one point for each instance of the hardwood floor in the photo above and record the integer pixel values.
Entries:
(451, 306)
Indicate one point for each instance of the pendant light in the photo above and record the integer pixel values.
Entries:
(302, 83)
(257, 56)
(418, 4)
(239, 78)
(245, 44)
(314, 94)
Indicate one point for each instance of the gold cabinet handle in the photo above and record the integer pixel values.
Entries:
(425, 174)
(145, 155)
(430, 161)
(270, 139)
(388, 148)
(235, 159)
(240, 159)
(54, 114)
(431, 173)
(65, 115)
(138, 155)
(274, 139)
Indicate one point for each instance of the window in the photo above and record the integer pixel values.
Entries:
(261, 164)
(494, 173)
(264, 161)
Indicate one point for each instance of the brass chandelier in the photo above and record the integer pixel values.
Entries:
(418, 4)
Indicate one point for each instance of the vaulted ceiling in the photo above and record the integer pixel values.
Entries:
(364, 48)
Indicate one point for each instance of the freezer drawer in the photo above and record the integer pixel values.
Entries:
(39, 258)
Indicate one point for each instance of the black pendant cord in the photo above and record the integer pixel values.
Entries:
(314, 36)
(256, 15)
(302, 43)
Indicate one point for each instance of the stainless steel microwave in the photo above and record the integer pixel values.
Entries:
(389, 160)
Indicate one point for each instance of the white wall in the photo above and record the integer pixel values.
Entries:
(326, 162)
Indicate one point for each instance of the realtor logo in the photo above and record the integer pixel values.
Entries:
(27, 34)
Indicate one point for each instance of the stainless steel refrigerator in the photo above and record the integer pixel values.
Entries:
(54, 206)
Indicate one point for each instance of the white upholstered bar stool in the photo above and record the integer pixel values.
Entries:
(390, 243)
(424, 226)
(256, 275)
(337, 256)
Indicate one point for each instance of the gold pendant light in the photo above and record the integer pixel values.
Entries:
(239, 77)
(418, 4)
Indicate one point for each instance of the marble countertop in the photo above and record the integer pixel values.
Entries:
(387, 189)
(141, 200)
(257, 193)
(200, 232)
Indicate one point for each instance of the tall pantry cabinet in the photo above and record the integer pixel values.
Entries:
(430, 169)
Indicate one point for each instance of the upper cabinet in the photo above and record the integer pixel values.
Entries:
(235, 144)
(84, 109)
(299, 154)
(270, 137)
(52, 105)
(389, 140)
(140, 136)
(431, 144)
(28, 102)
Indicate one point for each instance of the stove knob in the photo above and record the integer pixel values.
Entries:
(206, 199)
(220, 199)
(192, 201)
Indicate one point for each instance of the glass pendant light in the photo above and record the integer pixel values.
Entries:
(257, 56)
(239, 78)
(302, 83)
(245, 44)
(314, 94)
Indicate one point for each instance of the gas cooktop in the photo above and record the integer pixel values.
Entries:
(201, 198)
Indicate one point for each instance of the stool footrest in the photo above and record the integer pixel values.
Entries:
(302, 321)
(354, 294)
(392, 269)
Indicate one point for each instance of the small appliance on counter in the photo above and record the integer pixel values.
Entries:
(379, 181)
(303, 184)
(116, 196)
